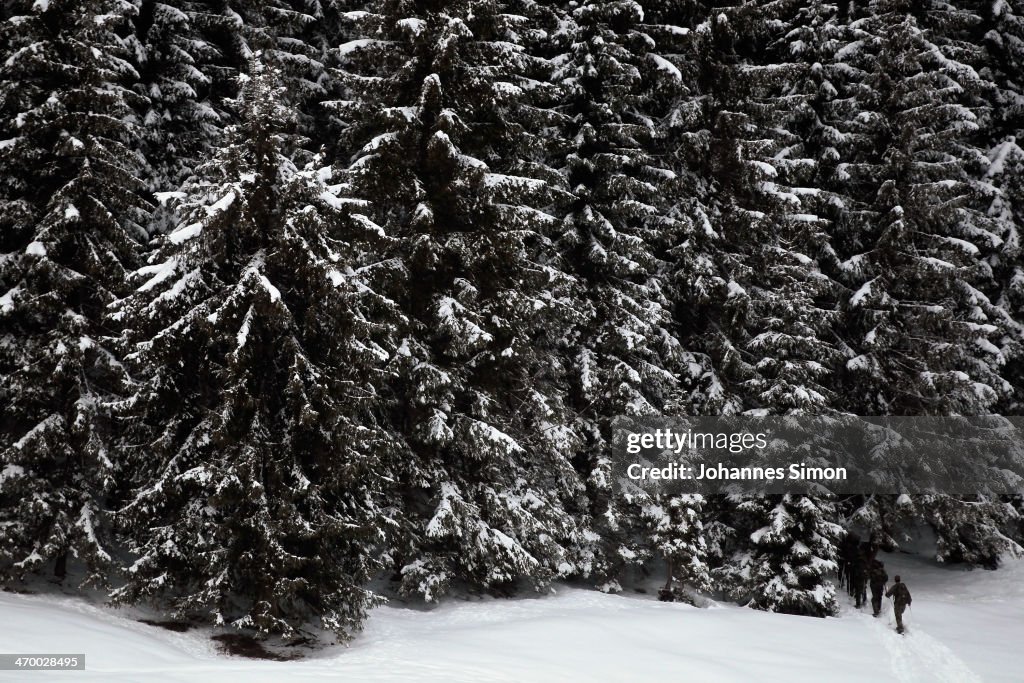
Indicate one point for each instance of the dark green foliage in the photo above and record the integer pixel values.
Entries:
(179, 73)
(447, 158)
(255, 455)
(922, 327)
(677, 533)
(617, 230)
(793, 546)
(70, 215)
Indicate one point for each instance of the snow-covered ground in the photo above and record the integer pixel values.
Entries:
(963, 627)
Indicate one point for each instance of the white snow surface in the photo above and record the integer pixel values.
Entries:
(963, 626)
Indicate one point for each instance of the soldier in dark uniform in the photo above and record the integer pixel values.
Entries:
(857, 580)
(877, 579)
(901, 600)
(847, 557)
(859, 574)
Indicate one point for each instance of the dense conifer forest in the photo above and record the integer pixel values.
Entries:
(309, 303)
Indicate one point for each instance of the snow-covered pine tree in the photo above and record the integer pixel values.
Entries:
(722, 536)
(790, 317)
(929, 340)
(1006, 174)
(975, 529)
(818, 36)
(257, 461)
(627, 359)
(70, 218)
(177, 67)
(788, 322)
(765, 310)
(826, 39)
(793, 550)
(449, 155)
(801, 265)
(1015, 515)
(985, 528)
(702, 160)
(971, 529)
(1003, 43)
(294, 36)
(724, 136)
(923, 329)
(784, 305)
(884, 519)
(703, 155)
(1000, 31)
(677, 533)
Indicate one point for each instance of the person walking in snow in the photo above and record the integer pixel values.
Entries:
(856, 581)
(847, 558)
(877, 579)
(900, 595)
(859, 575)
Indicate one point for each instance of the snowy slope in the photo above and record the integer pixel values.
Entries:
(964, 627)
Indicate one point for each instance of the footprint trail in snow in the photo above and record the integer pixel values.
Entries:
(917, 657)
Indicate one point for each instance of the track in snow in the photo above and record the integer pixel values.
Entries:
(915, 656)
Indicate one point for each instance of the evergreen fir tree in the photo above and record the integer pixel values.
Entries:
(928, 338)
(70, 218)
(260, 338)
(177, 68)
(884, 518)
(449, 158)
(294, 36)
(1003, 41)
(700, 137)
(923, 329)
(815, 151)
(751, 262)
(793, 549)
(971, 529)
(747, 285)
(627, 359)
(678, 537)
(1006, 172)
(782, 304)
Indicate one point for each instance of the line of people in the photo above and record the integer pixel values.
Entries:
(859, 569)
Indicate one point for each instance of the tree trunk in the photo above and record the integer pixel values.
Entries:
(60, 567)
(665, 594)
